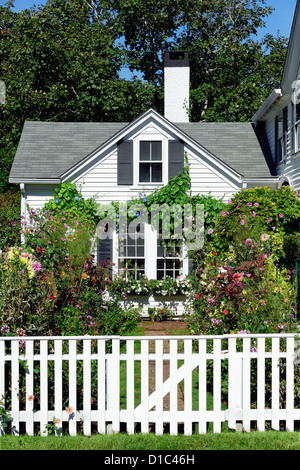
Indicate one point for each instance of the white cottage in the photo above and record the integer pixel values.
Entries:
(117, 161)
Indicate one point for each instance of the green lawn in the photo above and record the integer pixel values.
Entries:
(227, 440)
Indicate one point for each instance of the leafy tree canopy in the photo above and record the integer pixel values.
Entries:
(62, 61)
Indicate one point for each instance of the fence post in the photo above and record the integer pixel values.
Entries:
(113, 385)
(235, 385)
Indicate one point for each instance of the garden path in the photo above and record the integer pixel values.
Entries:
(163, 328)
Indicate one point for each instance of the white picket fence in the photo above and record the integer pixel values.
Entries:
(113, 383)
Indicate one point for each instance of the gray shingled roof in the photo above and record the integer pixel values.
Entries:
(238, 144)
(48, 149)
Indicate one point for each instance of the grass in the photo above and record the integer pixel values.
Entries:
(227, 440)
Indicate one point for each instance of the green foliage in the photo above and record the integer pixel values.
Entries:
(106, 318)
(10, 222)
(272, 211)
(67, 200)
(252, 297)
(171, 200)
(47, 284)
(62, 61)
(161, 313)
(24, 302)
(291, 248)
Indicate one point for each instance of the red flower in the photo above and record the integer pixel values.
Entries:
(40, 250)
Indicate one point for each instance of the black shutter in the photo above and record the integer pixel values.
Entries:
(125, 163)
(293, 127)
(104, 250)
(176, 157)
(276, 140)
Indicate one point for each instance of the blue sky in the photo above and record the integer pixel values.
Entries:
(281, 19)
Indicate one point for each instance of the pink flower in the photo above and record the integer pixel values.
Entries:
(249, 204)
(248, 241)
(242, 222)
(264, 237)
(280, 215)
(5, 330)
(37, 267)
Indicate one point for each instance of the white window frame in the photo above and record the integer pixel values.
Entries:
(150, 248)
(296, 123)
(136, 159)
(151, 162)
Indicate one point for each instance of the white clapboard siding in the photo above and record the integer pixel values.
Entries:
(92, 365)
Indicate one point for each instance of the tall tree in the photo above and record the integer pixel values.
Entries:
(232, 72)
(60, 62)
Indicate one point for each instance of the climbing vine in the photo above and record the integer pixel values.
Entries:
(168, 207)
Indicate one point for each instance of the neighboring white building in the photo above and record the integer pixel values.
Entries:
(117, 161)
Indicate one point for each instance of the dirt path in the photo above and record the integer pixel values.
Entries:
(163, 328)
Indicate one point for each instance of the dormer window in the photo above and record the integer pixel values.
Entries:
(150, 162)
(147, 163)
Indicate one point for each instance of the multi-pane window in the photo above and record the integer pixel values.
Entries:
(168, 261)
(131, 254)
(150, 162)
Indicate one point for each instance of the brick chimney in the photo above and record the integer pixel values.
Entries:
(177, 85)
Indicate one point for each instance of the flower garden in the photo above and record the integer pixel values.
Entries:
(244, 278)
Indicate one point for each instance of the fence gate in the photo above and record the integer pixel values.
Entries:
(148, 384)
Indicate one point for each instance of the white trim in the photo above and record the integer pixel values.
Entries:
(23, 207)
(268, 103)
(150, 254)
(35, 181)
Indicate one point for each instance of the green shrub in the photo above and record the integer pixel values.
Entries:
(265, 210)
(10, 219)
